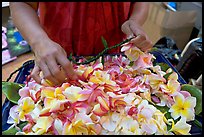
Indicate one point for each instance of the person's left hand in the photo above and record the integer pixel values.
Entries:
(132, 28)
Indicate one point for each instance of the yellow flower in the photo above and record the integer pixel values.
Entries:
(130, 126)
(181, 127)
(111, 121)
(132, 52)
(75, 128)
(42, 125)
(160, 120)
(49, 92)
(183, 107)
(155, 81)
(173, 76)
(26, 105)
(72, 94)
(172, 87)
(101, 77)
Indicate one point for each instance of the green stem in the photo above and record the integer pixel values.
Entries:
(100, 54)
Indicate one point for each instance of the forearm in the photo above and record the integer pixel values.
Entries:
(26, 20)
(140, 12)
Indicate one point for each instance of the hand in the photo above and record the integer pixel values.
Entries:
(51, 59)
(132, 28)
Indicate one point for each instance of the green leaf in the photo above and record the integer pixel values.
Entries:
(131, 63)
(197, 123)
(163, 66)
(13, 131)
(164, 109)
(104, 42)
(167, 75)
(70, 57)
(153, 49)
(21, 125)
(10, 90)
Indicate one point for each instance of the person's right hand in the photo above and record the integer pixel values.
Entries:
(51, 59)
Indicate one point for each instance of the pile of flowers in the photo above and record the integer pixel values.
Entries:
(125, 95)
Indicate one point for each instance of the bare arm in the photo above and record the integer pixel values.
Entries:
(133, 26)
(48, 54)
(140, 12)
(25, 18)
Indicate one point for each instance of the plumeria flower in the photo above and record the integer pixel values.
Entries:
(33, 90)
(34, 114)
(172, 87)
(87, 72)
(13, 116)
(116, 101)
(111, 121)
(173, 76)
(91, 127)
(26, 105)
(72, 94)
(183, 107)
(160, 121)
(103, 78)
(149, 127)
(42, 125)
(92, 91)
(132, 99)
(164, 99)
(100, 77)
(155, 81)
(181, 127)
(126, 83)
(144, 61)
(145, 111)
(147, 96)
(120, 61)
(58, 126)
(102, 107)
(132, 52)
(50, 92)
(75, 128)
(157, 70)
(130, 126)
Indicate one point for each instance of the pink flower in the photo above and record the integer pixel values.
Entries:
(144, 61)
(93, 91)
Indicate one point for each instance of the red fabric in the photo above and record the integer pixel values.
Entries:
(78, 26)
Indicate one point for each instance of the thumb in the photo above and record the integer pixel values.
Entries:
(126, 29)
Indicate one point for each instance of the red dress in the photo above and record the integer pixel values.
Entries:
(78, 26)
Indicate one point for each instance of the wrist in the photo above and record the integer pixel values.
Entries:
(135, 20)
(37, 40)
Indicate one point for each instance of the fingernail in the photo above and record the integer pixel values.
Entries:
(130, 36)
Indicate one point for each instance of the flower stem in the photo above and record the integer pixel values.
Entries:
(99, 54)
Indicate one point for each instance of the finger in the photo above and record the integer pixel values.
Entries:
(47, 74)
(135, 30)
(138, 40)
(55, 70)
(35, 74)
(67, 66)
(144, 46)
(126, 29)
